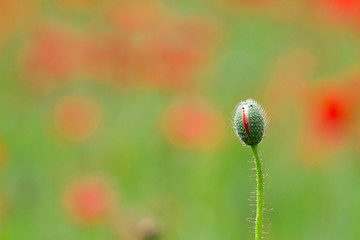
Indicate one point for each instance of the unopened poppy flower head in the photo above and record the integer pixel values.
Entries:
(249, 122)
(77, 117)
(193, 123)
(89, 200)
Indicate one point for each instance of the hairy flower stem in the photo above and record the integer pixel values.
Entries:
(259, 195)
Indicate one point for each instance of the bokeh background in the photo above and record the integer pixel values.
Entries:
(116, 118)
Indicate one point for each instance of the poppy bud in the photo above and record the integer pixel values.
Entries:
(249, 122)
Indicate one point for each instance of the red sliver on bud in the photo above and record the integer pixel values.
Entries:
(246, 120)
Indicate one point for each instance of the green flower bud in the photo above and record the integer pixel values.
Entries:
(249, 122)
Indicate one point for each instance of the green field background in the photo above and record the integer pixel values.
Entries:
(286, 55)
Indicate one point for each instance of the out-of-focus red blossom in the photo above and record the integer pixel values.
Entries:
(173, 55)
(193, 123)
(108, 58)
(169, 65)
(56, 56)
(167, 50)
(51, 58)
(89, 200)
(337, 11)
(330, 121)
(330, 113)
(77, 117)
(150, 44)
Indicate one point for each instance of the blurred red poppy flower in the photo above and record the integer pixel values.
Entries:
(330, 113)
(51, 58)
(166, 50)
(337, 11)
(172, 56)
(77, 117)
(89, 200)
(330, 119)
(169, 66)
(193, 123)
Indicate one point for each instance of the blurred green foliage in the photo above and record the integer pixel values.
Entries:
(268, 51)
